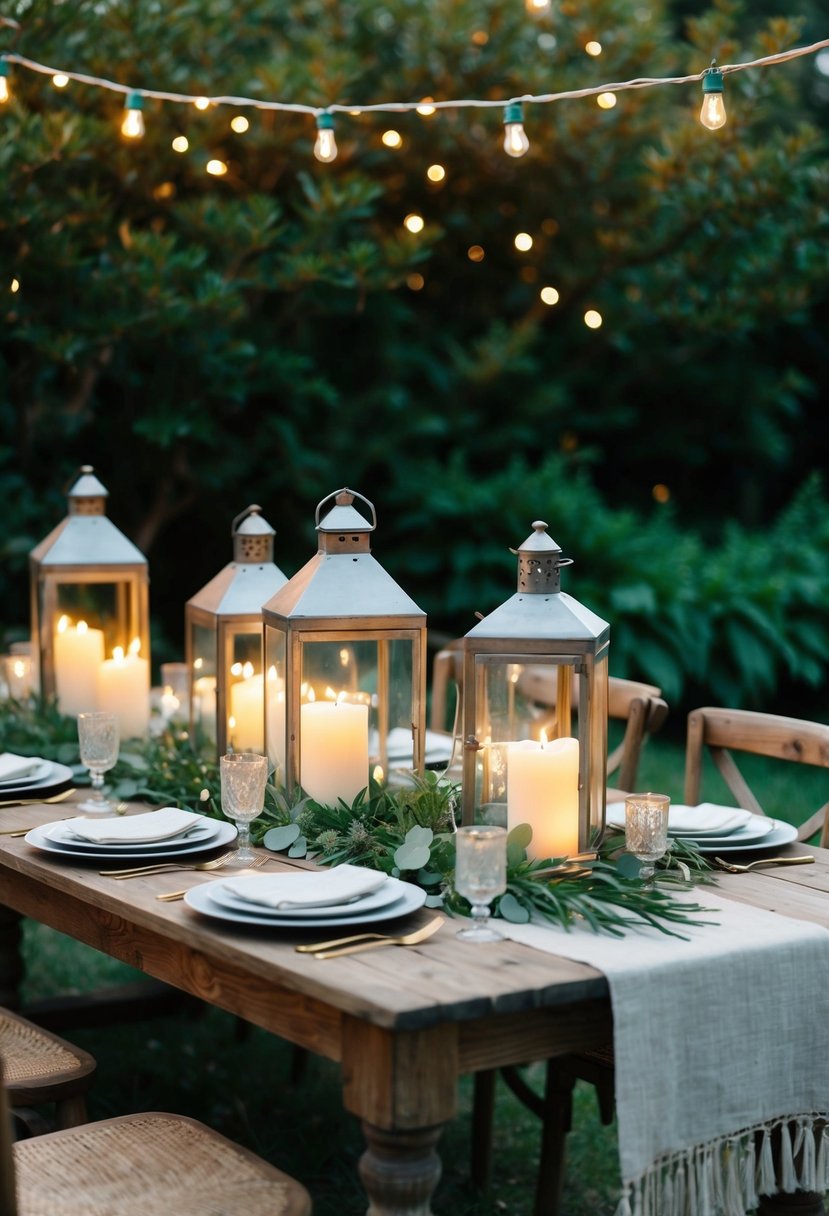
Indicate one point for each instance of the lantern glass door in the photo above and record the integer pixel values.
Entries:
(245, 692)
(204, 668)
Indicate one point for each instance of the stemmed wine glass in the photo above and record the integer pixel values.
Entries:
(243, 777)
(98, 736)
(480, 875)
(646, 830)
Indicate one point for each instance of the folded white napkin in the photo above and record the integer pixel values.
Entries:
(12, 766)
(705, 819)
(310, 889)
(162, 824)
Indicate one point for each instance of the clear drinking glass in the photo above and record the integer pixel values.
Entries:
(646, 830)
(98, 736)
(480, 875)
(244, 776)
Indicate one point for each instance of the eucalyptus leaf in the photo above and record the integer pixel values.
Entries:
(299, 848)
(411, 857)
(510, 909)
(279, 839)
(628, 865)
(434, 901)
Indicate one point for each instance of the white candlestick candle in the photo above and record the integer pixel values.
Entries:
(246, 725)
(125, 691)
(79, 653)
(333, 750)
(543, 791)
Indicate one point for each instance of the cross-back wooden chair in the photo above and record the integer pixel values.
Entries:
(720, 733)
(43, 1070)
(639, 706)
(147, 1165)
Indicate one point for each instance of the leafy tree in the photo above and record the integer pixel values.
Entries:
(277, 332)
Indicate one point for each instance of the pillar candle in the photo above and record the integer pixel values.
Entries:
(246, 725)
(333, 747)
(79, 653)
(125, 691)
(543, 791)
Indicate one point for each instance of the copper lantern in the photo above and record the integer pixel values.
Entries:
(223, 628)
(535, 709)
(345, 657)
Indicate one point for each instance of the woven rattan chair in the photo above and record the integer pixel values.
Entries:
(140, 1165)
(40, 1070)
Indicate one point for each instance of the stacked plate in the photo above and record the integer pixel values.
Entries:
(717, 829)
(344, 895)
(31, 777)
(163, 835)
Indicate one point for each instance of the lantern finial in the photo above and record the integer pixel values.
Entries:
(252, 537)
(86, 495)
(539, 562)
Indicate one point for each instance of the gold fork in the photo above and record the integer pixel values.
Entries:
(734, 868)
(37, 801)
(170, 896)
(370, 941)
(163, 867)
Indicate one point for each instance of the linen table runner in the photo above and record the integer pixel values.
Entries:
(716, 1038)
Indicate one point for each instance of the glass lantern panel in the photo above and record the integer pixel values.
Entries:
(204, 658)
(102, 606)
(596, 774)
(516, 700)
(276, 649)
(377, 673)
(245, 690)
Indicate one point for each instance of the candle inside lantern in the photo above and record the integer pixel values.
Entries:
(125, 690)
(333, 750)
(19, 675)
(246, 723)
(543, 791)
(79, 653)
(204, 705)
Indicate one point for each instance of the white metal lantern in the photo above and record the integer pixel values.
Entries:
(550, 773)
(345, 658)
(223, 628)
(90, 613)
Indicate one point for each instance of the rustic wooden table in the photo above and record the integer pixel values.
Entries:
(404, 1024)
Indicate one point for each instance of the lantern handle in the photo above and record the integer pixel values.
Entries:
(345, 497)
(242, 516)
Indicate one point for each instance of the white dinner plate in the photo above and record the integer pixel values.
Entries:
(37, 838)
(27, 787)
(391, 890)
(781, 833)
(200, 900)
(200, 833)
(752, 835)
(41, 772)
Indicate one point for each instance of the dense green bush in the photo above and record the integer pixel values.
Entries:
(208, 343)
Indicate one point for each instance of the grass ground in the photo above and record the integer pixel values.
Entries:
(240, 1083)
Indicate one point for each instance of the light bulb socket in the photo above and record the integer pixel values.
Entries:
(134, 101)
(513, 112)
(712, 79)
(325, 122)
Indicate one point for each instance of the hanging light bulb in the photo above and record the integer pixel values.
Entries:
(5, 93)
(132, 126)
(536, 7)
(325, 149)
(712, 114)
(515, 137)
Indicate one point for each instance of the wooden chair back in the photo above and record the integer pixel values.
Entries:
(640, 706)
(720, 732)
(8, 1201)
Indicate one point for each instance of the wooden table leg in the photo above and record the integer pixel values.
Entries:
(403, 1086)
(11, 957)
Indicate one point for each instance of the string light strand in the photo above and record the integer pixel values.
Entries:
(404, 107)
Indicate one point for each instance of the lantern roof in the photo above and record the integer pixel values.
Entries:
(539, 610)
(86, 537)
(244, 585)
(343, 580)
